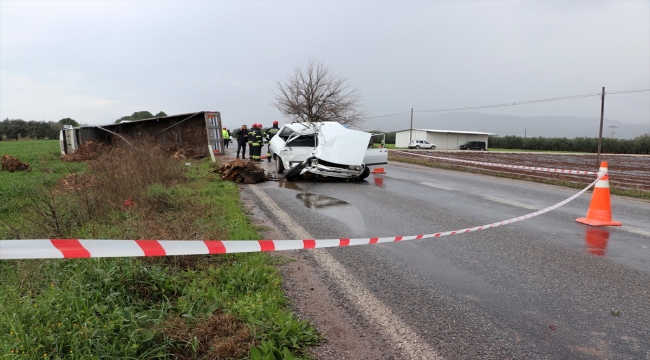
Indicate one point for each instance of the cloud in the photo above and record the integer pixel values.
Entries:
(49, 100)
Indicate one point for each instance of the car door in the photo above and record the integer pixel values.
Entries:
(377, 156)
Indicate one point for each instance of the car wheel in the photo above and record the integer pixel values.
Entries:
(417, 147)
(279, 165)
(365, 173)
(293, 172)
(433, 147)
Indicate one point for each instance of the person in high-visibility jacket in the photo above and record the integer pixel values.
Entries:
(268, 135)
(256, 137)
(226, 137)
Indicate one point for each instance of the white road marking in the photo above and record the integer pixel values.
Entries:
(635, 230)
(372, 308)
(437, 186)
(510, 202)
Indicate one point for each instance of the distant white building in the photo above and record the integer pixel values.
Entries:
(444, 139)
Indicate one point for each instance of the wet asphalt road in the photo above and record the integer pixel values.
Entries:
(547, 287)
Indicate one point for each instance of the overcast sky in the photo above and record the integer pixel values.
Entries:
(97, 61)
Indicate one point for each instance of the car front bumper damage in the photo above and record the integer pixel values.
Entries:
(331, 171)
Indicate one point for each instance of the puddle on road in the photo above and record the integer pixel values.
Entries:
(289, 185)
(336, 209)
(596, 241)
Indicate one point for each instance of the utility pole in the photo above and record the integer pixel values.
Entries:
(411, 135)
(600, 133)
(613, 131)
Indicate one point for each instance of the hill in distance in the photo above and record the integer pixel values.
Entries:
(531, 126)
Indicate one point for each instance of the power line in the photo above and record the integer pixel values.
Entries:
(380, 116)
(626, 91)
(514, 103)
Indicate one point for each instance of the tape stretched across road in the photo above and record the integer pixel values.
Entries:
(77, 248)
(520, 167)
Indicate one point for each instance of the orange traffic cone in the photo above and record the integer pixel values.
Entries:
(600, 208)
(378, 171)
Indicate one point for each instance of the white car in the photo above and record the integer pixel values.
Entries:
(416, 144)
(325, 150)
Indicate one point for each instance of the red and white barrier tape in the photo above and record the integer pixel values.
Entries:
(521, 167)
(76, 248)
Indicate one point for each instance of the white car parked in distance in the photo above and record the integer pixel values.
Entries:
(325, 150)
(417, 144)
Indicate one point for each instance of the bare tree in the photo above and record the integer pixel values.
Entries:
(316, 93)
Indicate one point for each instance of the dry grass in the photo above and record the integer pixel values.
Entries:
(124, 172)
(219, 336)
(126, 180)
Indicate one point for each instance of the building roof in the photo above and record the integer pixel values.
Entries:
(452, 131)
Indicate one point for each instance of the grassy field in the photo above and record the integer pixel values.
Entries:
(190, 307)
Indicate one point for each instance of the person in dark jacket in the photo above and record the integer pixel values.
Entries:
(255, 138)
(242, 140)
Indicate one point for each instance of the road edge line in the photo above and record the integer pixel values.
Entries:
(372, 308)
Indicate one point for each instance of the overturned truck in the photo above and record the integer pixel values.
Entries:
(199, 133)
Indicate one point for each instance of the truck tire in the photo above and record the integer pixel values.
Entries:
(279, 165)
(293, 172)
(365, 173)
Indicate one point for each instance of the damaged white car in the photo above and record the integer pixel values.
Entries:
(325, 150)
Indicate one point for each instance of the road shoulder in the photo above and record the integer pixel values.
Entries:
(312, 299)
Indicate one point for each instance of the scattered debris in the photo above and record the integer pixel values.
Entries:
(182, 153)
(616, 312)
(128, 203)
(87, 151)
(10, 163)
(241, 171)
(74, 182)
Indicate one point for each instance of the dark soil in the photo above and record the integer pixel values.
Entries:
(11, 164)
(626, 172)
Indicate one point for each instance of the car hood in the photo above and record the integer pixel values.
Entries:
(336, 143)
(339, 145)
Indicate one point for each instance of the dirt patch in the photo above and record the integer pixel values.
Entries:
(11, 164)
(87, 151)
(313, 300)
(220, 336)
(241, 171)
(631, 173)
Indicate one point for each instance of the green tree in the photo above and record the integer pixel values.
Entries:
(161, 114)
(69, 121)
(17, 128)
(138, 115)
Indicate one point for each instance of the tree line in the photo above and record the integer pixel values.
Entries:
(139, 115)
(15, 128)
(638, 145)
